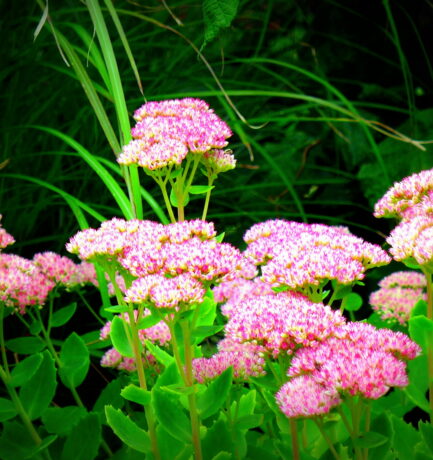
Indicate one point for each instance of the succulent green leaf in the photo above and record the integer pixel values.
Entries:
(37, 393)
(84, 439)
(217, 15)
(75, 360)
(119, 338)
(127, 430)
(7, 410)
(171, 415)
(25, 345)
(136, 394)
(351, 302)
(24, 370)
(215, 395)
(61, 420)
(62, 316)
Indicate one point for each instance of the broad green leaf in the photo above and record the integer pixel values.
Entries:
(111, 395)
(223, 456)
(170, 376)
(84, 439)
(136, 394)
(247, 422)
(202, 332)
(119, 338)
(37, 393)
(127, 430)
(25, 369)
(420, 309)
(171, 415)
(217, 15)
(370, 440)
(173, 199)
(421, 331)
(218, 439)
(160, 355)
(25, 345)
(61, 420)
(7, 409)
(219, 238)
(426, 430)
(75, 360)
(351, 302)
(404, 438)
(117, 309)
(215, 395)
(15, 442)
(200, 189)
(62, 316)
(35, 327)
(247, 404)
(148, 321)
(170, 448)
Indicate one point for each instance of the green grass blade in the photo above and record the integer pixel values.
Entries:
(113, 187)
(131, 175)
(125, 43)
(76, 204)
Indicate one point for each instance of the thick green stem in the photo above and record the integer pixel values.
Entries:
(189, 382)
(319, 424)
(295, 440)
(428, 276)
(207, 200)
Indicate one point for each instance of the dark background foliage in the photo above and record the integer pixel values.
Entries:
(304, 163)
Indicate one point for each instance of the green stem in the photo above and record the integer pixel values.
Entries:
(189, 382)
(162, 186)
(135, 344)
(428, 276)
(319, 424)
(207, 200)
(295, 440)
(88, 306)
(5, 377)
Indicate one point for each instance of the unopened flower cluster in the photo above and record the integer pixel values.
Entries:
(398, 294)
(167, 131)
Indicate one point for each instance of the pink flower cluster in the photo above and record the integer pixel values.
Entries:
(173, 263)
(398, 294)
(281, 322)
(22, 284)
(300, 255)
(246, 358)
(408, 198)
(167, 131)
(63, 271)
(5, 238)
(358, 360)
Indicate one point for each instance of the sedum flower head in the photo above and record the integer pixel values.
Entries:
(22, 283)
(5, 238)
(398, 294)
(358, 360)
(63, 271)
(412, 240)
(410, 197)
(246, 359)
(304, 396)
(281, 322)
(299, 255)
(163, 292)
(167, 131)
